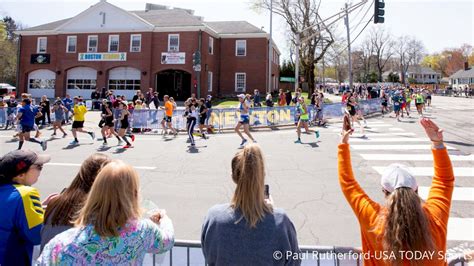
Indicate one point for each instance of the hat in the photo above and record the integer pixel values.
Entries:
(242, 96)
(397, 176)
(209, 96)
(18, 162)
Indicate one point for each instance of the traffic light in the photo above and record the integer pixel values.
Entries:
(379, 6)
(196, 58)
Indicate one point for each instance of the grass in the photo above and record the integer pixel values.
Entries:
(234, 102)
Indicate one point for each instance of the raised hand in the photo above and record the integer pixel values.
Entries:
(432, 130)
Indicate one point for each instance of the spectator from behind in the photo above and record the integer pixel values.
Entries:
(62, 209)
(288, 97)
(21, 216)
(281, 98)
(109, 229)
(269, 100)
(405, 223)
(248, 231)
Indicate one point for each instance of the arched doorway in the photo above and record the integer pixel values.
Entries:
(81, 81)
(41, 82)
(175, 83)
(124, 81)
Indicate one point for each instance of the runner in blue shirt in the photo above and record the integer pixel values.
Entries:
(26, 118)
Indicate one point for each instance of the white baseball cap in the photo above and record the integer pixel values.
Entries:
(396, 176)
(241, 96)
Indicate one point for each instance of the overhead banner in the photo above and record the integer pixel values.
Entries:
(173, 58)
(102, 57)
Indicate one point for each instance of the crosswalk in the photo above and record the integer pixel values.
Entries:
(383, 145)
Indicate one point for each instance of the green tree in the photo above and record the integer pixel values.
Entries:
(287, 69)
(8, 57)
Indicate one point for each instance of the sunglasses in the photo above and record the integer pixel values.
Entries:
(38, 166)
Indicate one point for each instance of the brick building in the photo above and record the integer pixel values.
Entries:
(106, 46)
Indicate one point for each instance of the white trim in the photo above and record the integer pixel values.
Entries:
(245, 81)
(67, 44)
(131, 43)
(97, 43)
(236, 46)
(38, 45)
(118, 45)
(209, 81)
(169, 38)
(211, 45)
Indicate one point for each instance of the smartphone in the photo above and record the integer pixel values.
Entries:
(267, 191)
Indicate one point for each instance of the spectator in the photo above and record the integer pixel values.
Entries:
(22, 214)
(248, 230)
(136, 96)
(208, 105)
(269, 100)
(281, 98)
(288, 97)
(12, 105)
(45, 110)
(405, 222)
(103, 93)
(62, 209)
(109, 230)
(256, 99)
(149, 96)
(95, 96)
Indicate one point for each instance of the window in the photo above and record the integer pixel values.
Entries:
(81, 84)
(71, 44)
(41, 83)
(135, 43)
(92, 43)
(113, 43)
(209, 81)
(173, 42)
(124, 84)
(41, 45)
(241, 48)
(240, 79)
(211, 45)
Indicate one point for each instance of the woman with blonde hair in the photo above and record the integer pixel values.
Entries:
(109, 229)
(405, 224)
(248, 231)
(62, 209)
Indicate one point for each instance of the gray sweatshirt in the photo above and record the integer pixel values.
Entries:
(225, 241)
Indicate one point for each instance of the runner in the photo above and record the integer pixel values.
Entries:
(244, 120)
(397, 104)
(26, 118)
(59, 111)
(124, 124)
(202, 118)
(384, 97)
(303, 120)
(419, 102)
(360, 114)
(108, 123)
(320, 110)
(351, 107)
(428, 98)
(191, 118)
(408, 98)
(168, 116)
(79, 112)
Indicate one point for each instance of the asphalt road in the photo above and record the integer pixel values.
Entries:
(302, 177)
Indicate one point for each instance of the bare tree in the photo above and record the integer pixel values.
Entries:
(410, 51)
(382, 44)
(363, 59)
(299, 15)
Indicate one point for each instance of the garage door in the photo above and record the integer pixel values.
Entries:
(41, 82)
(81, 81)
(124, 81)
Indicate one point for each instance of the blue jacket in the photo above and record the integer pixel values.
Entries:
(21, 221)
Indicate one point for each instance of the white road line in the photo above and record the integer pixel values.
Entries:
(390, 140)
(459, 193)
(78, 165)
(412, 157)
(384, 134)
(378, 125)
(460, 229)
(429, 171)
(373, 129)
(394, 147)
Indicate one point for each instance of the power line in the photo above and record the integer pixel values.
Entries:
(353, 40)
(364, 16)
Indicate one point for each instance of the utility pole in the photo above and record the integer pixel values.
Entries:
(297, 61)
(349, 47)
(270, 50)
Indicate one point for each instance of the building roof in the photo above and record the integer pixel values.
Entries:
(169, 17)
(422, 70)
(233, 27)
(48, 26)
(463, 74)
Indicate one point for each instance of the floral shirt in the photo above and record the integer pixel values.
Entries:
(83, 246)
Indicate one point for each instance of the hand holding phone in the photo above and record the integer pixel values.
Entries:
(267, 191)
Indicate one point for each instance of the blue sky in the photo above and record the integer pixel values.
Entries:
(438, 23)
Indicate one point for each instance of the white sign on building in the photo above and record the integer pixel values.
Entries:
(102, 57)
(173, 58)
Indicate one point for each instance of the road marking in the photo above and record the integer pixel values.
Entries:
(373, 129)
(429, 171)
(384, 134)
(394, 147)
(459, 193)
(412, 157)
(460, 229)
(78, 165)
(390, 140)
(379, 125)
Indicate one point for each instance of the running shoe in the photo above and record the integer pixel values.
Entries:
(53, 135)
(74, 142)
(317, 134)
(298, 141)
(244, 141)
(127, 146)
(133, 138)
(176, 133)
(44, 145)
(104, 145)
(64, 135)
(92, 135)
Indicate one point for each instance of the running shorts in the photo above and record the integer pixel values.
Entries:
(167, 119)
(78, 124)
(244, 119)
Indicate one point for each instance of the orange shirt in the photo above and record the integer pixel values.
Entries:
(169, 108)
(436, 206)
